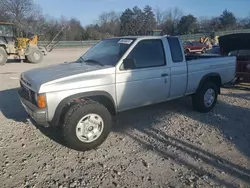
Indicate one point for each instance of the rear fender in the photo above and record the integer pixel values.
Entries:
(211, 77)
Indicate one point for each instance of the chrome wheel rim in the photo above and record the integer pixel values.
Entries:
(89, 128)
(209, 97)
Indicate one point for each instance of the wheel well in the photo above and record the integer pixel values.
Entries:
(217, 81)
(214, 78)
(3, 46)
(104, 100)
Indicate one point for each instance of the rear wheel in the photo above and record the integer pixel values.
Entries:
(3, 56)
(205, 99)
(35, 56)
(86, 125)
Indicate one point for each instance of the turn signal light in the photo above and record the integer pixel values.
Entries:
(41, 101)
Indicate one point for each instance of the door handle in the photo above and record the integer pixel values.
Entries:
(164, 75)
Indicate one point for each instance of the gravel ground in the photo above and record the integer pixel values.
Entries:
(164, 145)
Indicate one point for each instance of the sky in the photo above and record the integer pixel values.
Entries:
(87, 11)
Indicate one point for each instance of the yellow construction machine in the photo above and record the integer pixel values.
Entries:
(22, 48)
(209, 39)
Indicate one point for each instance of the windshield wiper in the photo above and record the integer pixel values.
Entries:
(93, 61)
(81, 60)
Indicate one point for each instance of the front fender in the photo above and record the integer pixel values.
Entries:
(76, 98)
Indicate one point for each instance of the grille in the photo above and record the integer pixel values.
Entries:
(28, 94)
(27, 83)
(25, 92)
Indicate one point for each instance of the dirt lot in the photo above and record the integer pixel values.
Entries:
(165, 145)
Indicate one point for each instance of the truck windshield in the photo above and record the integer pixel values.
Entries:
(107, 52)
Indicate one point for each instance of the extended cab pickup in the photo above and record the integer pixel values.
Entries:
(115, 75)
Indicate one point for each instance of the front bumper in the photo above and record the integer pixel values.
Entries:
(37, 114)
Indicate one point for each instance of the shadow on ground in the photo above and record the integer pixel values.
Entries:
(232, 121)
(11, 106)
(227, 118)
(243, 87)
(245, 96)
(16, 61)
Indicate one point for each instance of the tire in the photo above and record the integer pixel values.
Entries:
(198, 99)
(3, 56)
(187, 51)
(35, 56)
(204, 50)
(75, 114)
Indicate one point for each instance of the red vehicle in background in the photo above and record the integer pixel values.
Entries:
(191, 47)
(238, 45)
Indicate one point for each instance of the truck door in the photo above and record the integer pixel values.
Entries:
(148, 82)
(179, 69)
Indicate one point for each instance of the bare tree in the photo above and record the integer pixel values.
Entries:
(28, 19)
(35, 23)
(171, 20)
(17, 10)
(3, 14)
(109, 23)
(204, 24)
(26, 16)
(174, 14)
(160, 15)
(243, 23)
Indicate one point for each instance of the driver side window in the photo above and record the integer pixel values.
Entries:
(148, 53)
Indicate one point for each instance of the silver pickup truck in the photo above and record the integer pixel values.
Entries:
(115, 75)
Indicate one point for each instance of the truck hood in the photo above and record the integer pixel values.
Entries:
(234, 42)
(35, 78)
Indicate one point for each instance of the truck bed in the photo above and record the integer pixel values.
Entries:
(190, 57)
(197, 67)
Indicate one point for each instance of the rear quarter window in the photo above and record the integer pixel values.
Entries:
(175, 49)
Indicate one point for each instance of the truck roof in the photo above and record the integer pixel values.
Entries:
(141, 37)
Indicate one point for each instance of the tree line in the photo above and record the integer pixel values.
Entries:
(28, 19)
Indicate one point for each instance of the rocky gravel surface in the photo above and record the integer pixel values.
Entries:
(164, 145)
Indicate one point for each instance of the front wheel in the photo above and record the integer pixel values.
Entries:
(86, 126)
(35, 56)
(205, 99)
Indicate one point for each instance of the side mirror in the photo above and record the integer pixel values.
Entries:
(128, 64)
